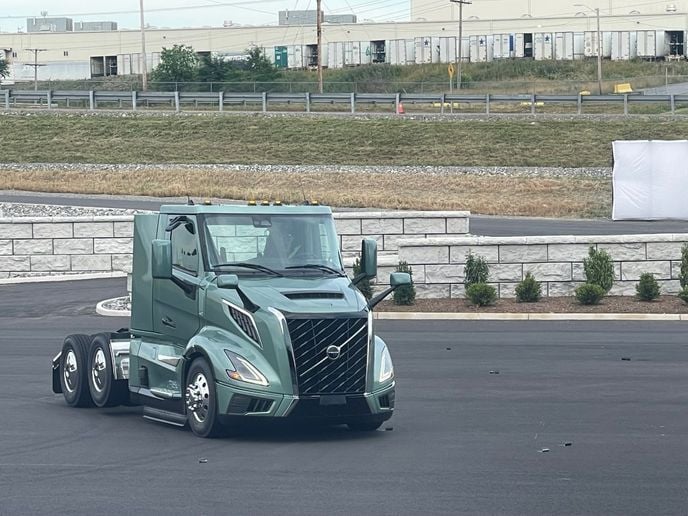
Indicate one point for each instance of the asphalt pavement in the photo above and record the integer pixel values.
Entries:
(479, 224)
(464, 439)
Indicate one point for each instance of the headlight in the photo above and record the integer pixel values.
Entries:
(244, 371)
(386, 367)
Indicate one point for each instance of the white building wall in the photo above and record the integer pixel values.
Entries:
(438, 10)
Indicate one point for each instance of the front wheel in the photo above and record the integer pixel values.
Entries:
(201, 402)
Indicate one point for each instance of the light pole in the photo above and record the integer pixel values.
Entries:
(599, 45)
(318, 25)
(144, 70)
(459, 51)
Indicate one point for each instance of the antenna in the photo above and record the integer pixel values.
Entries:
(44, 13)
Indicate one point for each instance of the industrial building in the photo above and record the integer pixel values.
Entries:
(492, 29)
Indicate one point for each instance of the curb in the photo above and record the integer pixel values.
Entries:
(62, 277)
(440, 316)
(107, 312)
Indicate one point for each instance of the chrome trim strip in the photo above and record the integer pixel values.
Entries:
(292, 404)
(370, 372)
(160, 420)
(250, 318)
(290, 348)
(170, 360)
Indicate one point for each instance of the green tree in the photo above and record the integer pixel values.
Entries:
(177, 64)
(4, 68)
(259, 66)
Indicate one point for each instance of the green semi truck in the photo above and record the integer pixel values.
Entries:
(239, 313)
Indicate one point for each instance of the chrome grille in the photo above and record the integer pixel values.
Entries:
(319, 373)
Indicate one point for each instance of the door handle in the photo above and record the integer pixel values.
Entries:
(168, 322)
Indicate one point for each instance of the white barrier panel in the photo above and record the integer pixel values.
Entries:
(650, 180)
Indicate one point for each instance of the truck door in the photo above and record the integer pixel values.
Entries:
(175, 310)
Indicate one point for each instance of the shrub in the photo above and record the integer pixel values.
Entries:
(405, 295)
(683, 294)
(683, 274)
(589, 294)
(364, 285)
(647, 288)
(481, 294)
(529, 290)
(476, 270)
(599, 269)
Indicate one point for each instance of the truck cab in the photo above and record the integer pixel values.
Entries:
(246, 312)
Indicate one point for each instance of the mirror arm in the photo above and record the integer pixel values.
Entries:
(358, 278)
(376, 300)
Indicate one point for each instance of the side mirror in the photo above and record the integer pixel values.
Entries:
(396, 280)
(368, 260)
(399, 279)
(228, 281)
(161, 265)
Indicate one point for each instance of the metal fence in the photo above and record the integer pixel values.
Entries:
(351, 102)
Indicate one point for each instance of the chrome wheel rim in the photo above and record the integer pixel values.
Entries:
(98, 371)
(70, 371)
(198, 397)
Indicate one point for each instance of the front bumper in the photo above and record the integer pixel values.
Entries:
(248, 404)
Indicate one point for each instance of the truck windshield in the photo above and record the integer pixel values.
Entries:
(263, 244)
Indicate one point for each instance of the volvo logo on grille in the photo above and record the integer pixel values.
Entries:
(333, 352)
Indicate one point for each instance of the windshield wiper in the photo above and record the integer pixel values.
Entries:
(253, 266)
(319, 267)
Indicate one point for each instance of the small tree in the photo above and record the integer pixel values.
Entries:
(4, 69)
(177, 64)
(476, 270)
(481, 294)
(683, 273)
(647, 288)
(589, 294)
(529, 290)
(599, 269)
(364, 285)
(259, 66)
(405, 295)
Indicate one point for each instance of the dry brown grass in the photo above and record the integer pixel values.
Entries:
(497, 195)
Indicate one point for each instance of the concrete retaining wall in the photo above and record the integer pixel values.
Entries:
(46, 246)
(555, 261)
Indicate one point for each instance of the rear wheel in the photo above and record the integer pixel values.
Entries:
(201, 402)
(105, 390)
(74, 370)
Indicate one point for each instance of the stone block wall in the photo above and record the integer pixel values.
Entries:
(46, 246)
(555, 261)
(389, 227)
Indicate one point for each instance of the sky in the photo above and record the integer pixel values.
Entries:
(191, 13)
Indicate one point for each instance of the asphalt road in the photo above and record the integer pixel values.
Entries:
(463, 441)
(479, 224)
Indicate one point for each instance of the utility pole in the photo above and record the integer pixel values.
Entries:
(144, 66)
(318, 25)
(599, 44)
(35, 65)
(459, 52)
(599, 52)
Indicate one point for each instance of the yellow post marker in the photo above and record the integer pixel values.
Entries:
(450, 71)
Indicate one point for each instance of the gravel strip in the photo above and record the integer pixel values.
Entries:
(11, 209)
(593, 173)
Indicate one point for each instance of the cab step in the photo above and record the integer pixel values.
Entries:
(164, 416)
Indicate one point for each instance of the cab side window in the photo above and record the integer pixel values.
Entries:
(185, 255)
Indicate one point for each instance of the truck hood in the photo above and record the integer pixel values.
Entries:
(307, 295)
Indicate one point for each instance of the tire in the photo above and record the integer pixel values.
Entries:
(365, 425)
(200, 400)
(74, 371)
(104, 389)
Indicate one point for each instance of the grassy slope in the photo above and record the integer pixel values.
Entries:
(250, 139)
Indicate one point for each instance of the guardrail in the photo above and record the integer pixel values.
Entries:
(349, 102)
